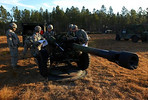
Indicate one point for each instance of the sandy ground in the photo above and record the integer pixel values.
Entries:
(105, 80)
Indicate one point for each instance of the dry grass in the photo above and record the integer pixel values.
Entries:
(6, 93)
(105, 80)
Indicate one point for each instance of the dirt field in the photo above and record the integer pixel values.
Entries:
(105, 80)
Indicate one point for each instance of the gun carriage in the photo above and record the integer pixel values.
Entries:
(69, 51)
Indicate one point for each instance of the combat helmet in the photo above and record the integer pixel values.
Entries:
(71, 25)
(50, 27)
(37, 28)
(13, 25)
(74, 27)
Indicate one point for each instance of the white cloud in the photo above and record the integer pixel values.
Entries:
(46, 5)
(16, 3)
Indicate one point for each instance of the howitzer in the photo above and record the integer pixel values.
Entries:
(71, 52)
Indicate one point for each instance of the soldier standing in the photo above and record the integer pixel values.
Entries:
(35, 38)
(13, 44)
(80, 34)
(50, 37)
(49, 32)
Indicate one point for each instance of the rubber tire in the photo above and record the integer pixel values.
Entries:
(42, 59)
(135, 39)
(117, 37)
(84, 61)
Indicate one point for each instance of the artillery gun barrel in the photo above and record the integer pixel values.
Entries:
(125, 59)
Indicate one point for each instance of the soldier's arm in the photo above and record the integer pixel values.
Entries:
(34, 38)
(85, 36)
(18, 40)
(9, 38)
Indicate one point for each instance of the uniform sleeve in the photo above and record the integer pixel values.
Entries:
(85, 36)
(9, 39)
(18, 41)
(34, 38)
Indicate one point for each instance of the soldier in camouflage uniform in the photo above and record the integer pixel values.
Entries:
(35, 38)
(13, 44)
(50, 37)
(70, 32)
(49, 32)
(80, 34)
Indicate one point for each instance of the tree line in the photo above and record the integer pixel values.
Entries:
(96, 21)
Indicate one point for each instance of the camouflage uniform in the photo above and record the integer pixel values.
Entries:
(80, 33)
(50, 37)
(36, 37)
(47, 35)
(36, 46)
(50, 33)
(13, 44)
(70, 32)
(28, 43)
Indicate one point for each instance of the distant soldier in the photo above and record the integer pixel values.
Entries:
(70, 32)
(13, 44)
(80, 34)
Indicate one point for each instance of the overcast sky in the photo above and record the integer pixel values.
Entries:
(89, 4)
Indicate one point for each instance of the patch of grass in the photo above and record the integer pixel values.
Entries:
(7, 94)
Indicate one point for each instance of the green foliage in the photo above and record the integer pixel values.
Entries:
(96, 21)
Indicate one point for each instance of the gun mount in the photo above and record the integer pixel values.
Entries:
(71, 52)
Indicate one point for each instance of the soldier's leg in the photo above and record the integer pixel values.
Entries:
(14, 56)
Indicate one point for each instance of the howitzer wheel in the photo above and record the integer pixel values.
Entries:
(84, 61)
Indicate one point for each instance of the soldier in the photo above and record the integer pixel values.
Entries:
(80, 34)
(70, 32)
(50, 37)
(49, 32)
(35, 38)
(13, 44)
